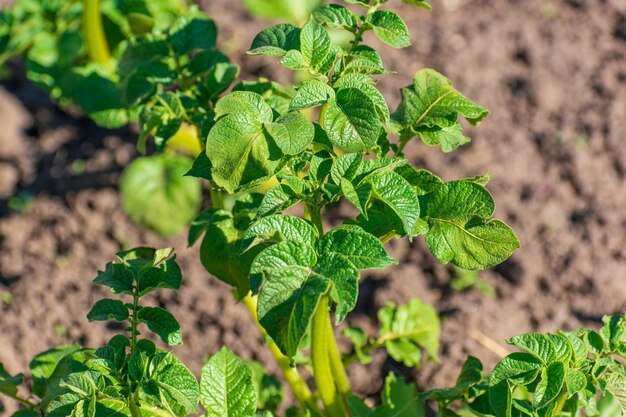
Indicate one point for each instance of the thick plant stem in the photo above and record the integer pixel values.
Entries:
(321, 333)
(313, 214)
(336, 363)
(298, 386)
(133, 322)
(217, 198)
(93, 31)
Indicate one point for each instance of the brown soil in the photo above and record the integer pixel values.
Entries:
(552, 72)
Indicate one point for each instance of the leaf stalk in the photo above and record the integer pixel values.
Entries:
(93, 32)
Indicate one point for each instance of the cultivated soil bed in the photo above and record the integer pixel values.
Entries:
(553, 73)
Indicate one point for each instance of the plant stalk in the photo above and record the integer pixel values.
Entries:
(217, 198)
(321, 332)
(93, 32)
(298, 385)
(133, 323)
(313, 214)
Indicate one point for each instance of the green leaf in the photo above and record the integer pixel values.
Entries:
(395, 192)
(314, 44)
(268, 388)
(291, 292)
(352, 121)
(166, 275)
(335, 16)
(431, 107)
(278, 228)
(226, 388)
(575, 381)
(360, 248)
(276, 40)
(500, 398)
(191, 32)
(107, 309)
(353, 81)
(220, 250)
(519, 368)
(345, 279)
(616, 385)
(251, 103)
(292, 10)
(293, 133)
(536, 344)
(177, 385)
(241, 152)
(419, 3)
(163, 323)
(311, 93)
(9, 384)
(42, 366)
(278, 199)
(407, 328)
(390, 28)
(117, 277)
(457, 214)
(549, 387)
(219, 78)
(294, 60)
(449, 138)
(156, 194)
(359, 339)
(471, 374)
(400, 399)
(614, 331)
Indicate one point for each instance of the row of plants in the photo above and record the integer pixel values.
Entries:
(274, 158)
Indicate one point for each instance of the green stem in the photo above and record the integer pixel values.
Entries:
(338, 369)
(93, 31)
(133, 407)
(133, 322)
(321, 361)
(217, 198)
(313, 214)
(298, 385)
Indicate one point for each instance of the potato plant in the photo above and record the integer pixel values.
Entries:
(120, 62)
(276, 157)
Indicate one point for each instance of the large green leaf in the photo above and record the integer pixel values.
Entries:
(279, 227)
(314, 44)
(360, 248)
(226, 388)
(292, 133)
(550, 384)
(336, 16)
(407, 328)
(290, 293)
(156, 194)
(431, 107)
(459, 230)
(177, 384)
(351, 121)
(220, 249)
(396, 193)
(241, 151)
(390, 28)
(191, 32)
(43, 364)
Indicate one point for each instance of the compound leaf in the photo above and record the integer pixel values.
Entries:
(407, 328)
